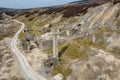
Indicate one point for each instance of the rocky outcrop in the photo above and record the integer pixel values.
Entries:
(26, 42)
(102, 66)
(114, 40)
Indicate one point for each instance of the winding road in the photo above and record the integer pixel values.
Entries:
(24, 67)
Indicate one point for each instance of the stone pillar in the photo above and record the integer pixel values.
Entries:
(68, 32)
(55, 45)
(41, 44)
(94, 38)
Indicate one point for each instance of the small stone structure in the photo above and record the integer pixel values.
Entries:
(52, 61)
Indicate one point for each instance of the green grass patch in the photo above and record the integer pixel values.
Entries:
(83, 42)
(62, 69)
(21, 36)
(73, 51)
(6, 35)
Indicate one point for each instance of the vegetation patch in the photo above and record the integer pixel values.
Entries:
(61, 68)
(8, 31)
(21, 36)
(6, 35)
(72, 51)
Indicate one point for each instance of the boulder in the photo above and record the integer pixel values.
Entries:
(58, 77)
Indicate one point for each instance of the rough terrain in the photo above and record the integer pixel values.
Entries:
(88, 38)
